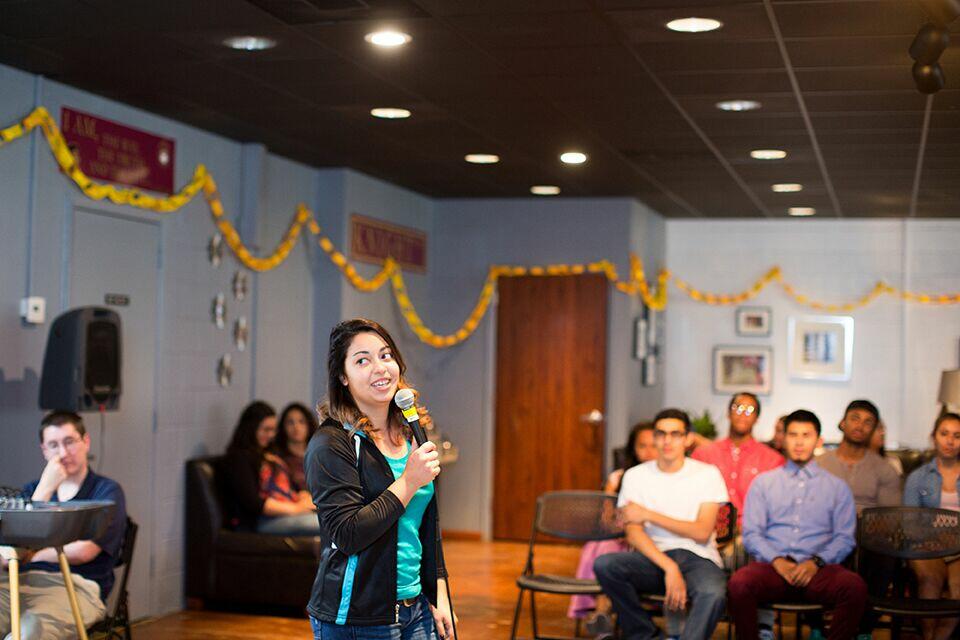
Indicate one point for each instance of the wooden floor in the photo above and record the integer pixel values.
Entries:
(483, 578)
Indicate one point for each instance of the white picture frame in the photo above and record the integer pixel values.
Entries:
(742, 368)
(820, 348)
(754, 321)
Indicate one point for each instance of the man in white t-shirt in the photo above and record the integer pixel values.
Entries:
(669, 506)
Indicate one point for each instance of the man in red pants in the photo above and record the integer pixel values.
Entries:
(798, 525)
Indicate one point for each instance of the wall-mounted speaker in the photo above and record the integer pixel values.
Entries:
(82, 363)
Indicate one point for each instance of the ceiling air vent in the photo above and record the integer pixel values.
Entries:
(300, 12)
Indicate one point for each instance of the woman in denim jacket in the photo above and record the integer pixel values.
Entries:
(937, 485)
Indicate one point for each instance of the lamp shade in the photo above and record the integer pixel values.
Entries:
(950, 388)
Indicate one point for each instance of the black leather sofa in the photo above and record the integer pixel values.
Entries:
(225, 567)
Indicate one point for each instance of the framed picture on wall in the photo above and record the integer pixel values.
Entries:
(753, 321)
(744, 368)
(820, 347)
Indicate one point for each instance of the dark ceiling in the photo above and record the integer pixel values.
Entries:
(530, 79)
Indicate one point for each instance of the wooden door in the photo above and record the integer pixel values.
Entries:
(551, 374)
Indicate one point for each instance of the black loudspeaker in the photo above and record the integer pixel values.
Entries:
(81, 367)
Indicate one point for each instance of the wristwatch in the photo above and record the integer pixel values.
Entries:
(817, 560)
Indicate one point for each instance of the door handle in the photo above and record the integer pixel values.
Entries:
(594, 417)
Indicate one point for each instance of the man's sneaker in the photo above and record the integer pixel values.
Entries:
(766, 633)
(598, 624)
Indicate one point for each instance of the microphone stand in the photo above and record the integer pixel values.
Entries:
(405, 400)
(446, 580)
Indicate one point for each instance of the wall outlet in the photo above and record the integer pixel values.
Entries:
(33, 310)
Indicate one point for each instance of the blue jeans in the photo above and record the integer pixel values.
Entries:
(416, 623)
(624, 576)
(305, 524)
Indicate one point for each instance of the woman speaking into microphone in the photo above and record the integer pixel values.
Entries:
(380, 575)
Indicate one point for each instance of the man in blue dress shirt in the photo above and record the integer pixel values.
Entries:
(798, 526)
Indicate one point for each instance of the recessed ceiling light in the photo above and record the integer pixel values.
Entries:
(738, 105)
(786, 187)
(250, 43)
(482, 158)
(694, 25)
(573, 157)
(388, 38)
(801, 211)
(544, 190)
(768, 154)
(390, 113)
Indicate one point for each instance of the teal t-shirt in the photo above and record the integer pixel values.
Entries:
(409, 549)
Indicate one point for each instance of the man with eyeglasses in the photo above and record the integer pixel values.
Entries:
(67, 476)
(669, 507)
(739, 457)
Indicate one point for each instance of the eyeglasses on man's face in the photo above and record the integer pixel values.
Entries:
(668, 435)
(67, 444)
(743, 409)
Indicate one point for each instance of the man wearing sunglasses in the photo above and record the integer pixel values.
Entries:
(739, 457)
(669, 506)
(65, 445)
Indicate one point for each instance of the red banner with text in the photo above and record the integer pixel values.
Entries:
(372, 240)
(110, 151)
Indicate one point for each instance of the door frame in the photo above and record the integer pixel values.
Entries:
(108, 210)
(489, 417)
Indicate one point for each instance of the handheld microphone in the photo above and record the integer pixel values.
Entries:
(405, 399)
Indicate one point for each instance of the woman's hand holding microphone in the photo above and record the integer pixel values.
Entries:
(423, 465)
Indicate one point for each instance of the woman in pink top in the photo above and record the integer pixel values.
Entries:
(639, 449)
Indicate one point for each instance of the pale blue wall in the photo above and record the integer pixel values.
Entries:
(469, 236)
(292, 309)
(193, 414)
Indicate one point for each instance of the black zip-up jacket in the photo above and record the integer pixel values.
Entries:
(356, 582)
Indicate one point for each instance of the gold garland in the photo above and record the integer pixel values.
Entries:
(654, 296)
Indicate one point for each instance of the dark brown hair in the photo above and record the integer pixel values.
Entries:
(245, 433)
(280, 442)
(60, 418)
(674, 414)
(339, 404)
(946, 416)
(801, 415)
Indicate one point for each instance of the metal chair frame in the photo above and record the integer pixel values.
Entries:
(562, 585)
(906, 545)
(116, 626)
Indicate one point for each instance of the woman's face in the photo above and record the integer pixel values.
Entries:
(946, 439)
(266, 431)
(295, 426)
(877, 439)
(370, 372)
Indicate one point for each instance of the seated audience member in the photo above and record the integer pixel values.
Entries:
(739, 457)
(640, 448)
(67, 476)
(937, 484)
(669, 506)
(297, 426)
(872, 480)
(877, 445)
(798, 526)
(776, 443)
(259, 493)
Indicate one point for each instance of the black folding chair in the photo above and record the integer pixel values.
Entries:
(579, 516)
(910, 533)
(116, 626)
